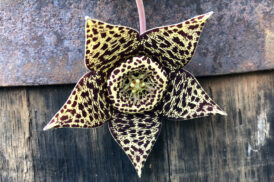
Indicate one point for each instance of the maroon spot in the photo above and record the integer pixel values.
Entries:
(175, 49)
(116, 35)
(154, 43)
(192, 27)
(200, 17)
(96, 46)
(72, 111)
(138, 158)
(147, 132)
(94, 39)
(80, 106)
(161, 38)
(84, 113)
(140, 143)
(85, 94)
(166, 34)
(122, 40)
(177, 41)
(69, 121)
(94, 31)
(96, 55)
(64, 118)
(126, 141)
(104, 47)
(184, 113)
(191, 105)
(109, 26)
(103, 35)
(212, 102)
(88, 41)
(167, 107)
(116, 71)
(189, 45)
(96, 116)
(189, 90)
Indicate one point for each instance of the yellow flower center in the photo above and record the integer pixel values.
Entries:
(137, 85)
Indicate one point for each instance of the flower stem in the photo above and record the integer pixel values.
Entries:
(142, 16)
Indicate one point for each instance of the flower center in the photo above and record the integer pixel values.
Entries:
(137, 85)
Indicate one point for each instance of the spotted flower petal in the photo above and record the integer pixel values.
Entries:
(106, 44)
(174, 45)
(186, 99)
(136, 134)
(86, 107)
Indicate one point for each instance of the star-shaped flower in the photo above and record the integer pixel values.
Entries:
(134, 80)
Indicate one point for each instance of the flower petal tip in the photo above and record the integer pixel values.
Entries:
(223, 113)
(47, 127)
(139, 172)
(87, 17)
(50, 125)
(209, 14)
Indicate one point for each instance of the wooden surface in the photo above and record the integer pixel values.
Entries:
(42, 41)
(239, 147)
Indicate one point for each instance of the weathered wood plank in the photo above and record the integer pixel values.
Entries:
(237, 148)
(42, 42)
(16, 162)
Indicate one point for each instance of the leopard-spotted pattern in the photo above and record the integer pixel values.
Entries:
(185, 98)
(107, 44)
(136, 134)
(142, 65)
(174, 45)
(85, 108)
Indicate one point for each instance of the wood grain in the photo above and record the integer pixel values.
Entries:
(239, 147)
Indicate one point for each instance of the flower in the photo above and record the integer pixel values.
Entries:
(134, 80)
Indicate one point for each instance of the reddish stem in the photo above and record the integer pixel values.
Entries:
(142, 16)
